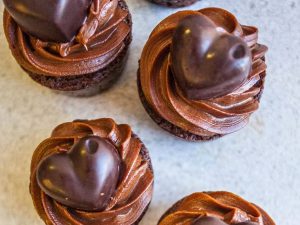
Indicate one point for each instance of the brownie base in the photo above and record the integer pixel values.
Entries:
(88, 84)
(174, 3)
(91, 83)
(166, 125)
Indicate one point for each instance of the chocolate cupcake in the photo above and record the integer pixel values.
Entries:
(201, 74)
(91, 172)
(174, 3)
(76, 47)
(215, 208)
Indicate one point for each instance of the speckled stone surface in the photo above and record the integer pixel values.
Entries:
(260, 163)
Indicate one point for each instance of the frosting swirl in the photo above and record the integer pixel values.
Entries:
(212, 117)
(226, 206)
(135, 187)
(99, 41)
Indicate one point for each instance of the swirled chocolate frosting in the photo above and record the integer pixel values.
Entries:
(215, 208)
(99, 41)
(209, 117)
(135, 186)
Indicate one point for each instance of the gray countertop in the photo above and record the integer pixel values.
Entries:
(260, 162)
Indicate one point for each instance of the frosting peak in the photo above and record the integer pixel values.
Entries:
(101, 11)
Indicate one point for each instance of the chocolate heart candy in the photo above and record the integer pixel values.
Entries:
(209, 221)
(208, 62)
(83, 178)
(49, 20)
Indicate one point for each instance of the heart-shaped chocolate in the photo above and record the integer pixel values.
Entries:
(207, 220)
(85, 177)
(206, 61)
(49, 20)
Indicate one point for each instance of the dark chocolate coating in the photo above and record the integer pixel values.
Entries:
(83, 178)
(207, 62)
(209, 221)
(49, 20)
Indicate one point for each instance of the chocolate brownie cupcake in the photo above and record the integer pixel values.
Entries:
(75, 47)
(215, 208)
(91, 172)
(201, 74)
(174, 3)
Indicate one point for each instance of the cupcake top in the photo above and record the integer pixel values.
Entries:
(215, 208)
(64, 38)
(203, 72)
(91, 172)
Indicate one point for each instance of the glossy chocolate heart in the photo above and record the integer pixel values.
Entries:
(85, 177)
(49, 20)
(209, 221)
(208, 62)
